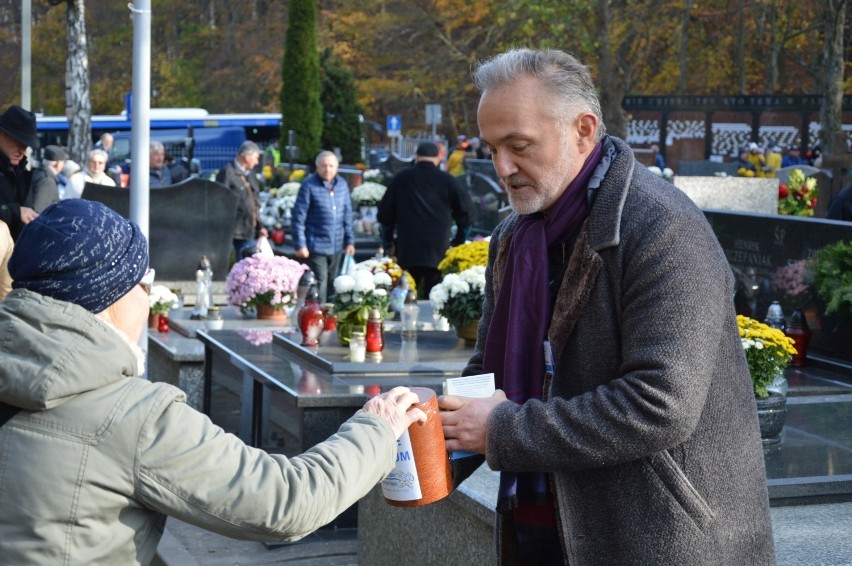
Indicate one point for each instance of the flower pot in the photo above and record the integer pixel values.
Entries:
(268, 312)
(468, 332)
(771, 414)
(154, 320)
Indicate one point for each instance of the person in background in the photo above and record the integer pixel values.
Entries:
(96, 162)
(659, 160)
(793, 157)
(840, 207)
(160, 176)
(6, 247)
(757, 159)
(17, 133)
(95, 457)
(743, 163)
(773, 160)
(239, 177)
(105, 143)
(624, 398)
(421, 204)
(45, 184)
(72, 181)
(455, 162)
(322, 221)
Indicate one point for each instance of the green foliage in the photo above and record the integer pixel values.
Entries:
(301, 108)
(832, 271)
(341, 120)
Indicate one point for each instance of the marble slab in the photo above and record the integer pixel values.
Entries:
(731, 193)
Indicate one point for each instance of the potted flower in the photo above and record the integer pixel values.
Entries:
(267, 283)
(160, 301)
(354, 296)
(798, 196)
(768, 351)
(832, 273)
(458, 298)
(464, 256)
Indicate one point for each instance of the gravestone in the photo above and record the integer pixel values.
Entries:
(770, 257)
(186, 221)
(744, 194)
(705, 168)
(487, 198)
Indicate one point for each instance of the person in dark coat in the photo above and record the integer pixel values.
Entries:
(322, 221)
(17, 133)
(624, 427)
(421, 204)
(45, 184)
(840, 207)
(238, 175)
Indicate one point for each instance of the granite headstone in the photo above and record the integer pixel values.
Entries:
(770, 256)
(186, 221)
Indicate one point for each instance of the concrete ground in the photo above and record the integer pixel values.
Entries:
(807, 535)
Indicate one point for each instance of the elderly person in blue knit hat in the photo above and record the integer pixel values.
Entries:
(92, 460)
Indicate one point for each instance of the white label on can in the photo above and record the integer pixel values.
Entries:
(403, 484)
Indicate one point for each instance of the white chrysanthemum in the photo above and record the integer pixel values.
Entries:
(343, 284)
(382, 279)
(438, 297)
(655, 170)
(363, 280)
(380, 293)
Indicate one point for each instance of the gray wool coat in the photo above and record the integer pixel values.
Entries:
(648, 429)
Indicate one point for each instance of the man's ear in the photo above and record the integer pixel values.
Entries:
(587, 127)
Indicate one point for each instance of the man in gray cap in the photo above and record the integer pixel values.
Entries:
(45, 185)
(17, 133)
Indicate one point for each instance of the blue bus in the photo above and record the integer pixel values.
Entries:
(212, 139)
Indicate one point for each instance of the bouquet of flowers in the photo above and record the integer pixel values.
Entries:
(355, 295)
(792, 284)
(263, 280)
(373, 176)
(666, 173)
(459, 296)
(389, 266)
(297, 176)
(161, 299)
(798, 196)
(768, 351)
(464, 256)
(368, 194)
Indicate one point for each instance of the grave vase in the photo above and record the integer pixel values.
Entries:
(771, 415)
(268, 312)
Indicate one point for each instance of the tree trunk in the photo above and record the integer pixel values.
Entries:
(78, 105)
(831, 111)
(684, 41)
(741, 48)
(775, 44)
(610, 76)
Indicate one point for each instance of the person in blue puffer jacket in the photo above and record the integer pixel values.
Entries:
(322, 221)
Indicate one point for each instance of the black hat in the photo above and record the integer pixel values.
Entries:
(20, 124)
(427, 149)
(55, 153)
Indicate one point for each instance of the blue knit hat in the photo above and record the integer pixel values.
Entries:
(79, 251)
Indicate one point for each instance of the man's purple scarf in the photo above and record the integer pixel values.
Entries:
(514, 349)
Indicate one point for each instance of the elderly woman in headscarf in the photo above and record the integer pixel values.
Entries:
(92, 459)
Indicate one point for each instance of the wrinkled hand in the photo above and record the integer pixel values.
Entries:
(393, 406)
(263, 233)
(28, 214)
(303, 253)
(350, 250)
(465, 420)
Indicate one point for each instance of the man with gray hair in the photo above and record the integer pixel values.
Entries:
(239, 177)
(322, 221)
(160, 174)
(624, 428)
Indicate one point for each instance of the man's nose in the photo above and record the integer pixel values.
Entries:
(504, 165)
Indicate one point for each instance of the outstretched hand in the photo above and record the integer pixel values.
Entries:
(465, 420)
(393, 406)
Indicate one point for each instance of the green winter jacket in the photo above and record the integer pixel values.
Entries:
(97, 457)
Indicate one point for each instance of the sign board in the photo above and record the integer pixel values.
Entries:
(433, 114)
(394, 126)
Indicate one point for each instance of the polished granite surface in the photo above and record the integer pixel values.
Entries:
(812, 464)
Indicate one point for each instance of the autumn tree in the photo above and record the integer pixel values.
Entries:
(341, 112)
(301, 109)
(831, 110)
